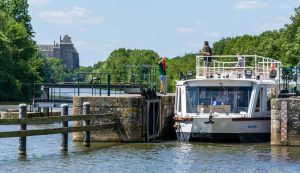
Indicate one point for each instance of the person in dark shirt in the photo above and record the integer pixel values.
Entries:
(207, 53)
(162, 66)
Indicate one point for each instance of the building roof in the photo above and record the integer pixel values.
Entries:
(45, 47)
(66, 39)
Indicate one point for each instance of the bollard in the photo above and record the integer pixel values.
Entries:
(86, 134)
(22, 140)
(64, 143)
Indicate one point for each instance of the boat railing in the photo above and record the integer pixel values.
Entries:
(225, 66)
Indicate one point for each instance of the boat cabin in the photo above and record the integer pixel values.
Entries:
(225, 89)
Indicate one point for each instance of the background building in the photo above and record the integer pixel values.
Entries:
(64, 50)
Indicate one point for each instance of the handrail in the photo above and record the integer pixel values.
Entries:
(253, 64)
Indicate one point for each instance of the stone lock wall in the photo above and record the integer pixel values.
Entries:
(167, 130)
(285, 121)
(129, 111)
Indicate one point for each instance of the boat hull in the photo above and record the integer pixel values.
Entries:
(224, 137)
(224, 130)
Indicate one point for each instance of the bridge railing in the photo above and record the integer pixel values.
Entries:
(93, 84)
(64, 130)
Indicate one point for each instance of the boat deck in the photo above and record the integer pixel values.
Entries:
(223, 66)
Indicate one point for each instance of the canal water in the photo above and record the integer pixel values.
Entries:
(44, 155)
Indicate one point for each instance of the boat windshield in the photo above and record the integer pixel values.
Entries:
(219, 99)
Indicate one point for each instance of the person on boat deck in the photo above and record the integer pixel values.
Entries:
(162, 66)
(206, 51)
(241, 60)
(240, 64)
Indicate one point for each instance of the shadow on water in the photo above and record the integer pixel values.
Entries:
(94, 146)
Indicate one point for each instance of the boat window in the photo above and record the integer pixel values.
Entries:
(258, 107)
(218, 99)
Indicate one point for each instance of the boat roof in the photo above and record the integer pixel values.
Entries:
(240, 68)
(225, 82)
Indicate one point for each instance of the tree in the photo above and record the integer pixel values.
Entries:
(19, 64)
(121, 62)
(184, 64)
(18, 9)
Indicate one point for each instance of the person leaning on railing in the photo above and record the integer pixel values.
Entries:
(240, 64)
(241, 60)
(207, 53)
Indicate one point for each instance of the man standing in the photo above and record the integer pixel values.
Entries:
(162, 66)
(206, 51)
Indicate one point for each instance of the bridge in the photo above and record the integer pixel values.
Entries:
(53, 93)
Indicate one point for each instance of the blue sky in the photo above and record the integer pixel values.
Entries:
(169, 27)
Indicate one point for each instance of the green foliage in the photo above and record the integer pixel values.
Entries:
(283, 44)
(19, 65)
(18, 9)
(123, 61)
(83, 70)
(119, 61)
(183, 64)
(55, 70)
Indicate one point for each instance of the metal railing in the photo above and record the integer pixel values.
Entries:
(225, 66)
(131, 79)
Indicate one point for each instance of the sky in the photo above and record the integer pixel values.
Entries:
(169, 27)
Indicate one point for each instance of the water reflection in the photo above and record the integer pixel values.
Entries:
(149, 157)
(44, 155)
(285, 153)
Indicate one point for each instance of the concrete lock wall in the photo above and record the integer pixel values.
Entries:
(131, 116)
(285, 121)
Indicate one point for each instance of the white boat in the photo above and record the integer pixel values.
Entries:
(233, 105)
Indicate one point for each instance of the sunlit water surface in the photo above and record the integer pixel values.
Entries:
(44, 155)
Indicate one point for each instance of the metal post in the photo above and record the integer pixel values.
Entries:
(78, 90)
(22, 140)
(93, 78)
(108, 84)
(86, 134)
(64, 143)
(74, 92)
(53, 97)
(59, 94)
(255, 65)
(100, 85)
